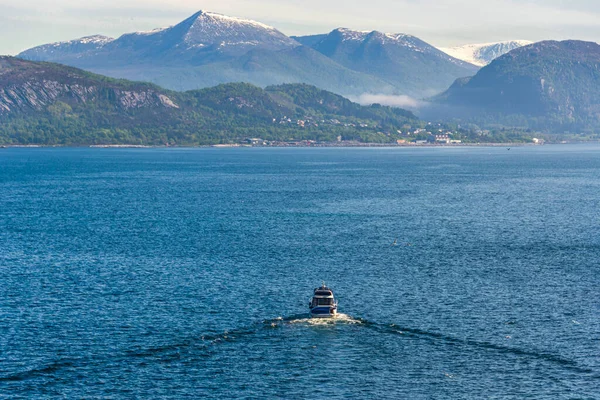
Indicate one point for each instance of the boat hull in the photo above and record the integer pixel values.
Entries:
(323, 312)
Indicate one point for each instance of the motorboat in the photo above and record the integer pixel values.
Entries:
(323, 304)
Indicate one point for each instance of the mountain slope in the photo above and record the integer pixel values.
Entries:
(259, 67)
(485, 53)
(309, 40)
(45, 103)
(553, 85)
(409, 64)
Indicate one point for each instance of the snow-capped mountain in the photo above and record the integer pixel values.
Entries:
(207, 49)
(485, 53)
(202, 33)
(206, 31)
(405, 61)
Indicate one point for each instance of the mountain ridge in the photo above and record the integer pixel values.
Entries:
(210, 48)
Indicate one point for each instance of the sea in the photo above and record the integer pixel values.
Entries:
(187, 273)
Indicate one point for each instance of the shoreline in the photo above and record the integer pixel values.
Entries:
(283, 145)
(296, 145)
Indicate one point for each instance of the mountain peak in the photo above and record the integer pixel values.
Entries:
(346, 34)
(206, 28)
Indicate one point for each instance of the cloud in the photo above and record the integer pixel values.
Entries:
(423, 109)
(388, 100)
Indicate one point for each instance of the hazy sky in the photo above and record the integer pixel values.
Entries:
(28, 23)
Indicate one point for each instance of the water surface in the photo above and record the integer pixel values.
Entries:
(186, 273)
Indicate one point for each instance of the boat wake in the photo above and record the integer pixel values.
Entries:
(338, 319)
(205, 343)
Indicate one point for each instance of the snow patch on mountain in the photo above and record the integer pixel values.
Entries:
(94, 39)
(484, 53)
(150, 32)
(350, 35)
(360, 36)
(53, 51)
(236, 21)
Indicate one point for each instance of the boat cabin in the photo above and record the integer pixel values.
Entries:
(323, 302)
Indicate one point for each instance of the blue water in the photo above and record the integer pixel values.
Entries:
(187, 273)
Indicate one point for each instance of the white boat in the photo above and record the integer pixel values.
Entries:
(323, 304)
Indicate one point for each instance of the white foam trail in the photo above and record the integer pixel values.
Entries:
(338, 319)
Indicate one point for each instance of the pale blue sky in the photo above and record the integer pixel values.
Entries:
(28, 23)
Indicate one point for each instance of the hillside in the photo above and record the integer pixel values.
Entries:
(45, 103)
(547, 85)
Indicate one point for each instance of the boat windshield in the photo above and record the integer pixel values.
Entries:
(323, 302)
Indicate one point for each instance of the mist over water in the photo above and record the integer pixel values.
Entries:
(426, 108)
(402, 101)
(186, 273)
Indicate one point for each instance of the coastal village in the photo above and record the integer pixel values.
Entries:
(434, 134)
